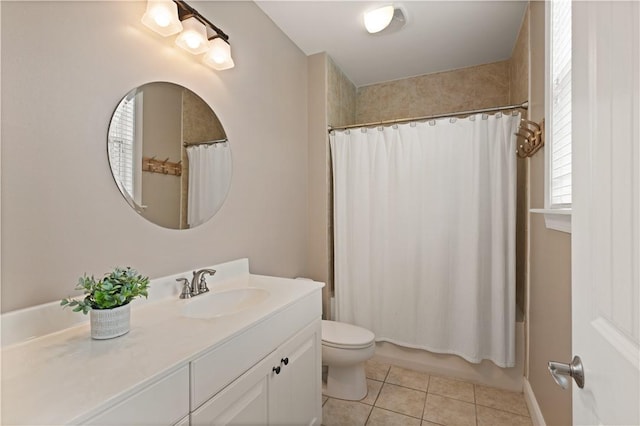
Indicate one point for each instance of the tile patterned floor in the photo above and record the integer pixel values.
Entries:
(399, 397)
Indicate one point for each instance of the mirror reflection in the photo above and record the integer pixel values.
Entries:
(169, 155)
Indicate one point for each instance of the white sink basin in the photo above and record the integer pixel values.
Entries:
(219, 303)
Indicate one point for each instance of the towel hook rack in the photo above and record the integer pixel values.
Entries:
(532, 136)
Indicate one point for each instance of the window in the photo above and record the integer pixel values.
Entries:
(559, 106)
(121, 143)
(125, 148)
(557, 209)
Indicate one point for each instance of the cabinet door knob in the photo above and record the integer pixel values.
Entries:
(284, 361)
(276, 369)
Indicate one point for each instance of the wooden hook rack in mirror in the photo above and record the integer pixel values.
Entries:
(165, 167)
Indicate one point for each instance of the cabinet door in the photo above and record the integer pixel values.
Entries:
(243, 402)
(295, 393)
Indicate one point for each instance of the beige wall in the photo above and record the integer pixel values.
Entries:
(519, 65)
(68, 64)
(319, 243)
(518, 93)
(332, 98)
(464, 89)
(549, 313)
(161, 138)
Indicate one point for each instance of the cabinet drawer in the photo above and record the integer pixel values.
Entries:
(164, 402)
(213, 371)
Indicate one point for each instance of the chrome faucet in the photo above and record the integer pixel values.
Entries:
(198, 283)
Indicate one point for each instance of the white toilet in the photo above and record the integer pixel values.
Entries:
(345, 348)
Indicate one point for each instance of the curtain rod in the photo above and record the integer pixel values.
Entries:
(524, 105)
(206, 142)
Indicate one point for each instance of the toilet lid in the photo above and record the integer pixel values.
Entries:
(345, 335)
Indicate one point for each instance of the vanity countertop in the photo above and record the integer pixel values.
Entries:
(67, 377)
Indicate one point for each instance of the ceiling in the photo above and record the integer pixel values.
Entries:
(438, 36)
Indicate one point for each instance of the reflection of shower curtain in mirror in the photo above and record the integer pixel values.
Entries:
(424, 220)
(209, 171)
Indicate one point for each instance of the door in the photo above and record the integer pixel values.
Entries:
(606, 216)
(243, 402)
(295, 391)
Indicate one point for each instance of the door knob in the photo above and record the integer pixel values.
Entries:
(560, 371)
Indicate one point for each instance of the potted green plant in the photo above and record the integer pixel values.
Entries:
(107, 300)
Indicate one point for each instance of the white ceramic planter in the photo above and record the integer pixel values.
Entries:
(110, 323)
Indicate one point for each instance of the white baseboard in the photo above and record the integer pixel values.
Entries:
(532, 403)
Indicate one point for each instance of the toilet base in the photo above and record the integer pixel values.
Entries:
(347, 382)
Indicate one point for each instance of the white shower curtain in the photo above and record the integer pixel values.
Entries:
(209, 174)
(424, 220)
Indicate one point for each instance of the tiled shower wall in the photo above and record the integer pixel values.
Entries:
(480, 86)
(341, 96)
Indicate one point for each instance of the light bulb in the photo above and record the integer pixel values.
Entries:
(163, 19)
(219, 50)
(161, 16)
(192, 40)
(218, 56)
(193, 37)
(378, 19)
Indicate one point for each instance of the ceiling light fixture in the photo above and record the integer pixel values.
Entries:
(378, 19)
(197, 34)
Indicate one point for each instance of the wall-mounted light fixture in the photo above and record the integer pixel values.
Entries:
(197, 34)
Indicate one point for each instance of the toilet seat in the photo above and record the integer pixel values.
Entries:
(345, 336)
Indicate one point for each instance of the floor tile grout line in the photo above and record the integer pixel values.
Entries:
(475, 410)
(369, 415)
(424, 406)
(504, 411)
(398, 412)
(475, 403)
(378, 395)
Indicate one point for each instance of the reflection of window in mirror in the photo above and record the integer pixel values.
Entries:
(124, 152)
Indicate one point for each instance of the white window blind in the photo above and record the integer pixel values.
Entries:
(121, 139)
(560, 105)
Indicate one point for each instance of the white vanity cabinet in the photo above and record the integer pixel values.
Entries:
(283, 388)
(257, 365)
(270, 374)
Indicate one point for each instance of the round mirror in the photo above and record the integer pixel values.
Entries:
(169, 155)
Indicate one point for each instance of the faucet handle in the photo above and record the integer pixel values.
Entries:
(186, 288)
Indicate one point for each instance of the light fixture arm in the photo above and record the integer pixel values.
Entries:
(185, 11)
